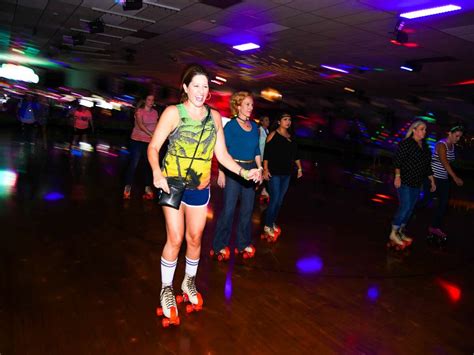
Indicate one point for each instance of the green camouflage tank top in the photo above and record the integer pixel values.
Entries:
(182, 143)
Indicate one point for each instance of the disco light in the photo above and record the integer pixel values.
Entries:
(246, 46)
(335, 69)
(430, 11)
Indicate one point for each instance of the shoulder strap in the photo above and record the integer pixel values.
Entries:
(199, 142)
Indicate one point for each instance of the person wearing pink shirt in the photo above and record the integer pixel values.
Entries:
(82, 124)
(146, 119)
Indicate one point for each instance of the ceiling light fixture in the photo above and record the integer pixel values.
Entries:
(430, 11)
(335, 69)
(406, 68)
(221, 79)
(123, 15)
(166, 7)
(246, 46)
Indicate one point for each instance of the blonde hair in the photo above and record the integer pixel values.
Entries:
(236, 100)
(414, 126)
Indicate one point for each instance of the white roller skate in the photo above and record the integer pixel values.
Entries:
(190, 294)
(395, 241)
(168, 307)
(405, 239)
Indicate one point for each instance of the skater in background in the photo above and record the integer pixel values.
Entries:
(82, 125)
(281, 151)
(412, 166)
(264, 124)
(27, 112)
(444, 155)
(43, 115)
(242, 141)
(146, 119)
(182, 125)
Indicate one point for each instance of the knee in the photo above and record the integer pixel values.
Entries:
(193, 239)
(174, 240)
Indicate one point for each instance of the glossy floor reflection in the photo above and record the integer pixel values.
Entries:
(79, 269)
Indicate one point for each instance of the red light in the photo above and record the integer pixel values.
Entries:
(377, 200)
(467, 82)
(411, 45)
(408, 30)
(395, 42)
(384, 196)
(453, 291)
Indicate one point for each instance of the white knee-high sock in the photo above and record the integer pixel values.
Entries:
(167, 271)
(191, 266)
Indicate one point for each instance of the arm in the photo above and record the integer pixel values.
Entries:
(168, 122)
(442, 153)
(223, 155)
(268, 153)
(140, 124)
(400, 155)
(300, 169)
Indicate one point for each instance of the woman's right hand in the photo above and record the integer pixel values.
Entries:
(221, 179)
(458, 181)
(266, 174)
(397, 182)
(160, 181)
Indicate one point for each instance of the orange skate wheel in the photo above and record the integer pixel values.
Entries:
(159, 311)
(211, 253)
(177, 321)
(179, 299)
(185, 297)
(165, 322)
(189, 308)
(236, 251)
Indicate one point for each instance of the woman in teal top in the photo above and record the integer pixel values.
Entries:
(182, 124)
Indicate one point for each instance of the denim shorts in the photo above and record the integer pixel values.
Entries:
(196, 198)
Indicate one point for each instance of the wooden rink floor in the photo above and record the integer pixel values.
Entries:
(80, 268)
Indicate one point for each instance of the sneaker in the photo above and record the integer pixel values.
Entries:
(126, 192)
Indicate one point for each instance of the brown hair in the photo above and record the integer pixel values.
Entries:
(188, 75)
(236, 100)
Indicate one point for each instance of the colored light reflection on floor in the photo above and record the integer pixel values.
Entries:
(7, 182)
(53, 196)
(385, 197)
(453, 291)
(228, 286)
(378, 200)
(309, 265)
(373, 293)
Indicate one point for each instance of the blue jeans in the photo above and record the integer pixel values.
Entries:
(407, 198)
(138, 150)
(235, 189)
(277, 187)
(442, 192)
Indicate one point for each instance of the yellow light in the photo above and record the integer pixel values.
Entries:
(270, 94)
(349, 89)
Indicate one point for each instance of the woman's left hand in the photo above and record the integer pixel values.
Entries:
(255, 175)
(300, 173)
(433, 187)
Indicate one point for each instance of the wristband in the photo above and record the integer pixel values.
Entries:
(245, 173)
(397, 175)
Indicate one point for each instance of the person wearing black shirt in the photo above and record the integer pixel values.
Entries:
(280, 152)
(412, 165)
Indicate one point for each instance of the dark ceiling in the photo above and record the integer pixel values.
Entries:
(296, 38)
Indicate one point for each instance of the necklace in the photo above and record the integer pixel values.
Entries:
(244, 121)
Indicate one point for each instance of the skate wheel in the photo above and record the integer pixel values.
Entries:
(165, 322)
(220, 257)
(189, 308)
(179, 299)
(185, 298)
(211, 253)
(236, 251)
(177, 321)
(245, 255)
(159, 311)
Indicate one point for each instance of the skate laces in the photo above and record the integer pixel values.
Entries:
(191, 285)
(168, 296)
